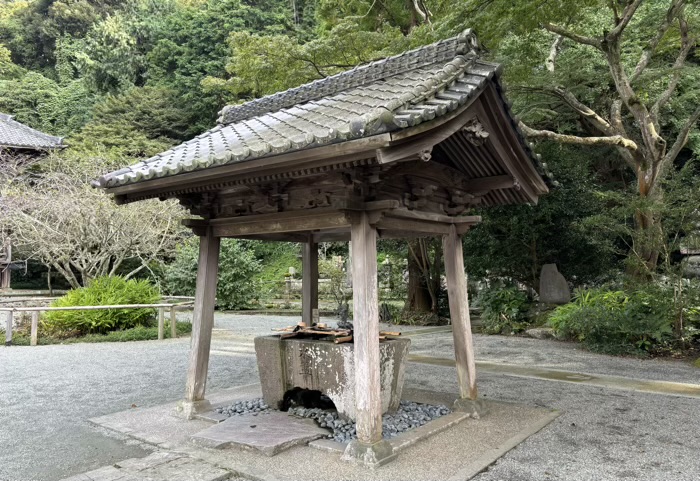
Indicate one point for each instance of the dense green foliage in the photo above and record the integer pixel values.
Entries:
(275, 259)
(237, 268)
(636, 321)
(566, 228)
(103, 291)
(504, 309)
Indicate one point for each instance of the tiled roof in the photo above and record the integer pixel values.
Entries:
(383, 96)
(16, 135)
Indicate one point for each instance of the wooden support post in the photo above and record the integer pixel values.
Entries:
(348, 266)
(173, 322)
(366, 328)
(35, 328)
(202, 324)
(309, 280)
(161, 323)
(369, 448)
(459, 312)
(8, 328)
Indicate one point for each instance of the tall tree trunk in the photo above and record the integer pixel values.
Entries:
(418, 298)
(423, 276)
(645, 244)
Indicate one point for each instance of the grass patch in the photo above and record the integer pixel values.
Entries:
(138, 333)
(697, 363)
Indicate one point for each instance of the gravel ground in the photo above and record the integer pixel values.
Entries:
(602, 435)
(49, 392)
(553, 354)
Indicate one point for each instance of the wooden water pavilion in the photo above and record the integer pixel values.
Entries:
(402, 147)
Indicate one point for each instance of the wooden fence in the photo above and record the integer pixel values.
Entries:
(35, 310)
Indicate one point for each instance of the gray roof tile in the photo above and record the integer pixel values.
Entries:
(16, 135)
(386, 95)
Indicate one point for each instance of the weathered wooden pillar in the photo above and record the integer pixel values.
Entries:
(348, 266)
(309, 280)
(9, 320)
(461, 324)
(202, 324)
(369, 448)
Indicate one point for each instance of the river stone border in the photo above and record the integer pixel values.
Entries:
(410, 415)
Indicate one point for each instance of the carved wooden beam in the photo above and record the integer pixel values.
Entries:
(280, 222)
(485, 184)
(431, 217)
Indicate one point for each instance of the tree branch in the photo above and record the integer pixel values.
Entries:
(687, 44)
(618, 128)
(616, 13)
(582, 39)
(616, 118)
(613, 141)
(681, 139)
(553, 52)
(589, 114)
(422, 10)
(649, 51)
(596, 121)
(627, 15)
(653, 142)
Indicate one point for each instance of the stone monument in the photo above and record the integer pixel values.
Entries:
(553, 287)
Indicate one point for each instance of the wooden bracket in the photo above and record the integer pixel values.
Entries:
(475, 132)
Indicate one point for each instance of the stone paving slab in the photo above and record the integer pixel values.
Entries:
(269, 433)
(159, 426)
(160, 466)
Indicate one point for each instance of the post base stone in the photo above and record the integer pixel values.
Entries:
(474, 407)
(188, 409)
(370, 455)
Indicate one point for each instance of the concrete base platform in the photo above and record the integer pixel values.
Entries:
(458, 448)
(156, 467)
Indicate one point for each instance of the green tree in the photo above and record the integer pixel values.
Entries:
(44, 104)
(237, 267)
(31, 31)
(568, 227)
(263, 64)
(626, 75)
(138, 123)
(193, 46)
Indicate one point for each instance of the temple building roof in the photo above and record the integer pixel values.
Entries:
(16, 135)
(383, 97)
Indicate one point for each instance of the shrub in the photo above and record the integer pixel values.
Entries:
(686, 294)
(616, 322)
(504, 309)
(336, 286)
(103, 291)
(236, 288)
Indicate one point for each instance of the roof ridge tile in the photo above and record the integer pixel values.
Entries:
(441, 51)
